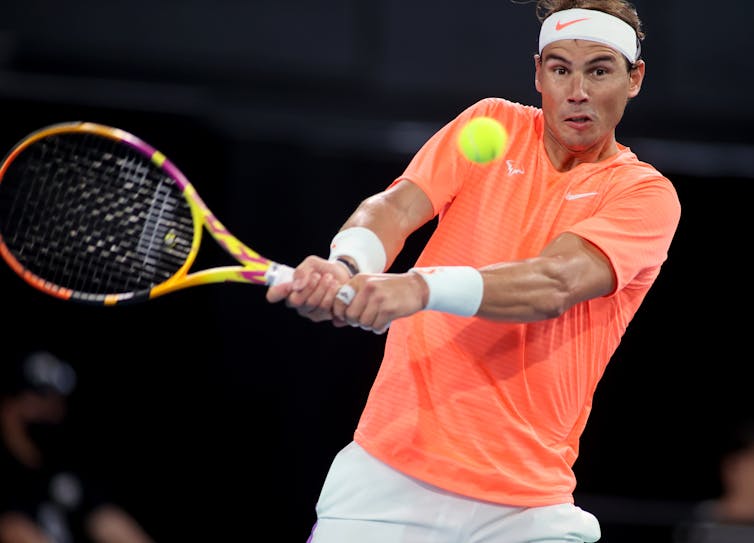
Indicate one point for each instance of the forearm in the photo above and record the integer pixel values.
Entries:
(570, 270)
(524, 291)
(392, 215)
(520, 291)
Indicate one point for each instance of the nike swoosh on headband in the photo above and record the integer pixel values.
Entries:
(561, 26)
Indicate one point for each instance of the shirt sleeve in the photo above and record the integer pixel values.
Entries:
(439, 168)
(635, 226)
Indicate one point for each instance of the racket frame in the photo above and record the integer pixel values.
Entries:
(253, 268)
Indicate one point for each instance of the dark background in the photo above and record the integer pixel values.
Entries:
(213, 415)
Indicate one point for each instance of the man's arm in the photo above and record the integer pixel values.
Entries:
(569, 270)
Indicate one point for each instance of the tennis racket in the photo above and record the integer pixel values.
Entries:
(92, 214)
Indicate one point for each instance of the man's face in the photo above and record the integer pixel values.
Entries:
(585, 87)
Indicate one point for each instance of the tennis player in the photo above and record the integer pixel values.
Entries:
(499, 335)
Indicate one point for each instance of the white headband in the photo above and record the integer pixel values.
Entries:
(590, 25)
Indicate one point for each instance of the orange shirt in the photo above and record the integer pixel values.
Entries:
(495, 410)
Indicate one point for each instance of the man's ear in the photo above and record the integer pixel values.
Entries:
(636, 77)
(537, 68)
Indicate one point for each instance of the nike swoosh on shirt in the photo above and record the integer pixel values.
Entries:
(560, 26)
(570, 196)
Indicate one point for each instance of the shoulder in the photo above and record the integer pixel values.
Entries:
(493, 105)
(522, 120)
(628, 162)
(628, 173)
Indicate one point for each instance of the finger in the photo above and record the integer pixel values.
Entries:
(346, 294)
(382, 330)
(339, 323)
(300, 296)
(329, 299)
(278, 292)
(319, 304)
(316, 299)
(344, 297)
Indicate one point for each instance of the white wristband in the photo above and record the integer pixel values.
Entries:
(453, 289)
(362, 245)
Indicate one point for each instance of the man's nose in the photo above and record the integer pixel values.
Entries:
(578, 92)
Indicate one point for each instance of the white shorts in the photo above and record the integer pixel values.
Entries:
(366, 501)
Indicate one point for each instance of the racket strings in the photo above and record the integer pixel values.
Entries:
(93, 215)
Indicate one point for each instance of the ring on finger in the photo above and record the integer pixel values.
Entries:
(346, 294)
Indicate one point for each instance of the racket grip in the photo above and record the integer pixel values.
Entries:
(279, 273)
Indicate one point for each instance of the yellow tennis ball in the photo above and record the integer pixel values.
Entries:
(483, 139)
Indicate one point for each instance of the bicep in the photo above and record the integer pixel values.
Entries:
(584, 268)
(569, 270)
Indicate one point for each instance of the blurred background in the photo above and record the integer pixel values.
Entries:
(215, 415)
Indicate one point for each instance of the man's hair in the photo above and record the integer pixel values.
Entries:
(622, 9)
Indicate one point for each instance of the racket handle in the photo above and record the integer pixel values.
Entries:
(279, 273)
